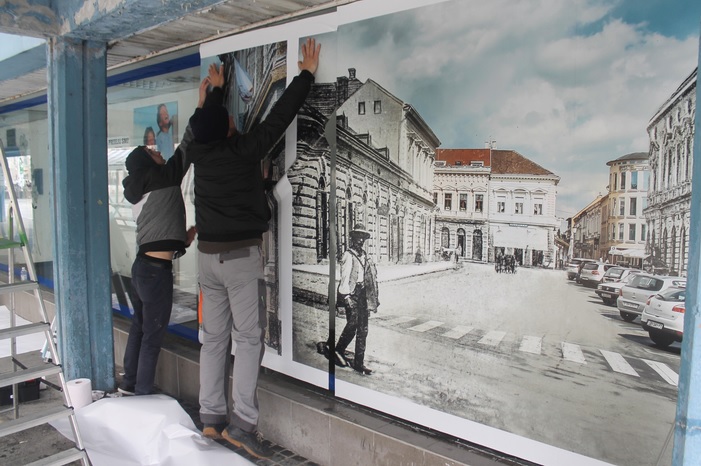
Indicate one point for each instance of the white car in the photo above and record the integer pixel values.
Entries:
(663, 317)
(573, 267)
(618, 273)
(609, 291)
(592, 273)
(633, 296)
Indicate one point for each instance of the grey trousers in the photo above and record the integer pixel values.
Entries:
(232, 307)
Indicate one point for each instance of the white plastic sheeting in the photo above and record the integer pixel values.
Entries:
(145, 430)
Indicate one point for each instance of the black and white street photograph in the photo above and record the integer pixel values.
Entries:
(490, 164)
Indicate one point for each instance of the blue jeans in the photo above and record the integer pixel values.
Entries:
(152, 299)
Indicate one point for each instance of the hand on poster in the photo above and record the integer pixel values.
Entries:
(310, 56)
(216, 75)
(203, 91)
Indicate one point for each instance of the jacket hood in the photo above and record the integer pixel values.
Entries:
(138, 163)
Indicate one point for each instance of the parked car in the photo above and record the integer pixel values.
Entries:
(663, 317)
(592, 273)
(608, 291)
(633, 296)
(618, 273)
(573, 267)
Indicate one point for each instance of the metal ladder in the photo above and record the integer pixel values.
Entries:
(51, 365)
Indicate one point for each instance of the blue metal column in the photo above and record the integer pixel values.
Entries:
(78, 145)
(687, 433)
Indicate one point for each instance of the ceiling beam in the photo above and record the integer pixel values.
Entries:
(100, 20)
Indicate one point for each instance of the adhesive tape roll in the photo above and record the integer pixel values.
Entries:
(80, 391)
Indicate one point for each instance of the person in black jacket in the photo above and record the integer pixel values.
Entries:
(153, 187)
(231, 215)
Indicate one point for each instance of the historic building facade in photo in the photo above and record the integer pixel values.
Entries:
(460, 192)
(624, 231)
(496, 201)
(384, 174)
(587, 228)
(671, 133)
(522, 220)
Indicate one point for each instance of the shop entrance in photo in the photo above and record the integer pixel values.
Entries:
(477, 245)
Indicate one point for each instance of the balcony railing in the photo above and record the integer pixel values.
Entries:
(671, 194)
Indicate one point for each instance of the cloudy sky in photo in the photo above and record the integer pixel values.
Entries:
(569, 84)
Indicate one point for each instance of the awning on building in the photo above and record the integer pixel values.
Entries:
(522, 237)
(631, 253)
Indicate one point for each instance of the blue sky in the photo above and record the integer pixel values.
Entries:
(570, 84)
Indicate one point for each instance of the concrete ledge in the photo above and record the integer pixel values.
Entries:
(310, 422)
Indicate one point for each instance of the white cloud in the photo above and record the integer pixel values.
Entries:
(525, 74)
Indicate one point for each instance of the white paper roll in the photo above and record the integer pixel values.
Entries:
(80, 391)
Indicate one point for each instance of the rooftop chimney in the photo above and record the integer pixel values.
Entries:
(351, 73)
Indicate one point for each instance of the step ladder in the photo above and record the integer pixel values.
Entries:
(48, 367)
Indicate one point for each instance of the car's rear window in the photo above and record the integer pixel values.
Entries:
(673, 294)
(591, 266)
(614, 272)
(646, 283)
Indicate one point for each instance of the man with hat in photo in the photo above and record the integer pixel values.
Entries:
(357, 292)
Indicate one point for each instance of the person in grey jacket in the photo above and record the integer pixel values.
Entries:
(153, 187)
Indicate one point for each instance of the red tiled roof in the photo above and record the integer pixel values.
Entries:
(464, 156)
(506, 162)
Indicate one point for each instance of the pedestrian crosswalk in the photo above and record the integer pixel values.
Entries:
(570, 352)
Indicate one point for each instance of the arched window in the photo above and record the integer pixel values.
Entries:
(682, 252)
(673, 249)
(663, 246)
(461, 242)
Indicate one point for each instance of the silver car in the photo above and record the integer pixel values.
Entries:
(643, 286)
(618, 273)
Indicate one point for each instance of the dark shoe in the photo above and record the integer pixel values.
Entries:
(213, 431)
(126, 391)
(322, 348)
(252, 442)
(339, 359)
(362, 369)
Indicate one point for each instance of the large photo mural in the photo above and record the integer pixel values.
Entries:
(452, 162)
